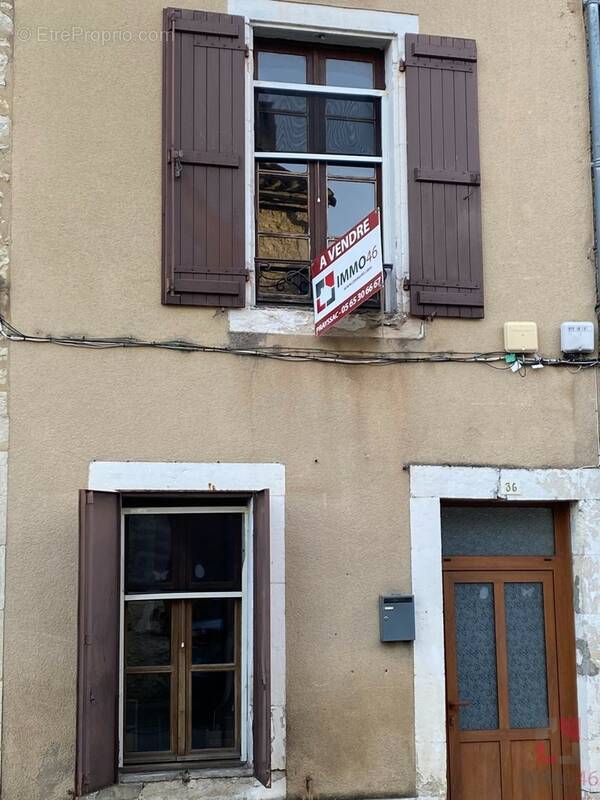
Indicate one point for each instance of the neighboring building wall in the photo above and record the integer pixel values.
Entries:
(87, 205)
(6, 81)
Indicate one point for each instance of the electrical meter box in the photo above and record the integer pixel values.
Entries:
(577, 337)
(397, 618)
(520, 337)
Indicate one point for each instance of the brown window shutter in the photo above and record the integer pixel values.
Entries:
(98, 645)
(444, 197)
(261, 721)
(204, 181)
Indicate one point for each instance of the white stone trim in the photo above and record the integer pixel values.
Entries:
(216, 477)
(384, 29)
(428, 486)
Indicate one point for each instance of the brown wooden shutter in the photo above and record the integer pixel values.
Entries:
(261, 721)
(444, 200)
(98, 646)
(204, 181)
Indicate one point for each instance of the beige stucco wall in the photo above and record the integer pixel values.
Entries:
(86, 259)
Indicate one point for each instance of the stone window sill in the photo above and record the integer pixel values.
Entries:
(267, 320)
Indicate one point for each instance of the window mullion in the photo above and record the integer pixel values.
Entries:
(181, 659)
(322, 177)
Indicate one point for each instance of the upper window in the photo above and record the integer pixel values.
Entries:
(318, 157)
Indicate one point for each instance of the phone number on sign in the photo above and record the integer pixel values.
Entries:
(368, 290)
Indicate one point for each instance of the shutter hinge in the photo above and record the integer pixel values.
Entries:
(87, 639)
(246, 52)
(92, 696)
(406, 284)
(402, 65)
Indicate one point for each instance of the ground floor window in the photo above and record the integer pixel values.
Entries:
(184, 638)
(174, 660)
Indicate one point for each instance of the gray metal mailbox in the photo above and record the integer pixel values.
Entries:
(397, 617)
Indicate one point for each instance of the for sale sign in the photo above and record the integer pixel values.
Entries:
(347, 273)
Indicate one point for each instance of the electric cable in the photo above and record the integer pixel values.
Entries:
(494, 359)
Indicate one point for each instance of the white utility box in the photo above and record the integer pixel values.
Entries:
(520, 337)
(577, 337)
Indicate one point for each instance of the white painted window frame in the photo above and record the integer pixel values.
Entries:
(245, 595)
(360, 27)
(429, 485)
(234, 783)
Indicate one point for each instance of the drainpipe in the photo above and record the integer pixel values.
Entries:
(592, 25)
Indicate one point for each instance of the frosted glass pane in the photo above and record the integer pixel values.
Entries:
(497, 531)
(526, 646)
(476, 656)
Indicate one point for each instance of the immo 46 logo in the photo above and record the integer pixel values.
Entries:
(325, 292)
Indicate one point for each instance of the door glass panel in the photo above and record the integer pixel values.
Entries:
(284, 67)
(342, 72)
(497, 531)
(147, 711)
(148, 556)
(213, 631)
(213, 709)
(526, 648)
(148, 633)
(476, 655)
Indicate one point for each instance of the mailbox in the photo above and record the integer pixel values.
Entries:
(397, 618)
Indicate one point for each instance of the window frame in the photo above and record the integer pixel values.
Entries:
(316, 159)
(197, 759)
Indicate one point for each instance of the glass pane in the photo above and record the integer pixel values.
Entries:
(147, 713)
(148, 633)
(215, 560)
(273, 101)
(282, 67)
(298, 168)
(281, 133)
(476, 656)
(350, 137)
(283, 248)
(348, 171)
(497, 531)
(526, 647)
(347, 203)
(213, 631)
(357, 109)
(283, 281)
(349, 73)
(282, 203)
(148, 558)
(213, 710)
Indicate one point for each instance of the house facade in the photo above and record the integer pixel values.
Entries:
(242, 560)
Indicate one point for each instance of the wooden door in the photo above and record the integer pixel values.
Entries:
(510, 685)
